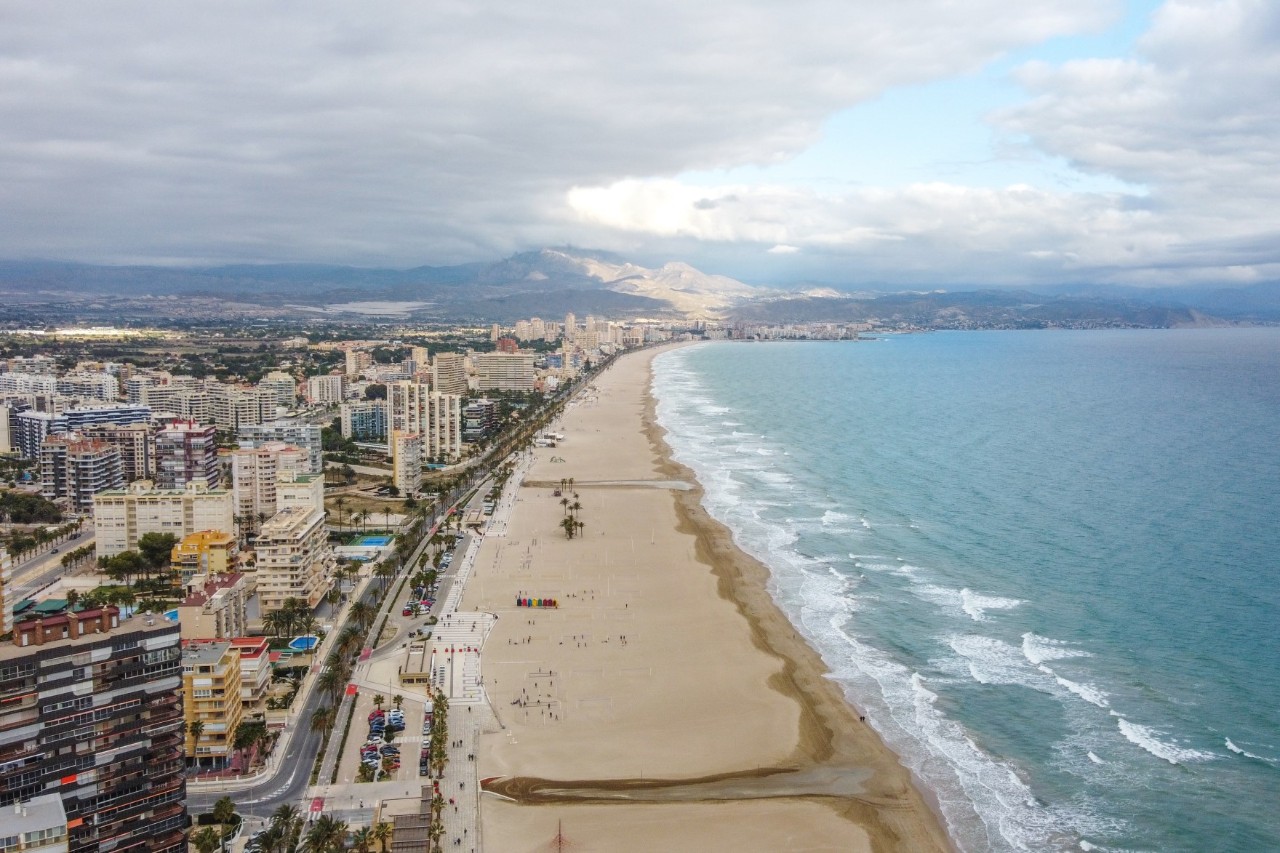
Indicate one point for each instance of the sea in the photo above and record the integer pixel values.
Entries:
(1045, 564)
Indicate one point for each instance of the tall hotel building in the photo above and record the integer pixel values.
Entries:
(90, 711)
(120, 516)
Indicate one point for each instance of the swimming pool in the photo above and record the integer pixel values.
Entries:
(374, 541)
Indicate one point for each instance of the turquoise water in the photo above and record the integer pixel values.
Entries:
(1044, 564)
(373, 541)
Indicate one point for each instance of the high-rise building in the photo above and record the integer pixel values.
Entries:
(449, 373)
(303, 435)
(364, 420)
(211, 696)
(120, 516)
(280, 388)
(570, 326)
(90, 708)
(357, 360)
(327, 390)
(233, 406)
(137, 446)
(479, 420)
(406, 461)
(436, 417)
(294, 559)
(187, 452)
(496, 371)
(421, 359)
(78, 468)
(256, 473)
(495, 332)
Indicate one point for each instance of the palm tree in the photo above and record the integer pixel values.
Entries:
(362, 839)
(224, 811)
(382, 834)
(323, 719)
(378, 701)
(332, 682)
(361, 517)
(341, 504)
(327, 835)
(362, 613)
(195, 728)
(285, 816)
(206, 840)
(398, 701)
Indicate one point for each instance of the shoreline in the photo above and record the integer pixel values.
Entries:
(835, 725)
(722, 763)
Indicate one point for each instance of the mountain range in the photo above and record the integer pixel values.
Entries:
(550, 282)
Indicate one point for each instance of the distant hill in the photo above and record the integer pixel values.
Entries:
(550, 282)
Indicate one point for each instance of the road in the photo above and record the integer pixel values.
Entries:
(291, 776)
(43, 569)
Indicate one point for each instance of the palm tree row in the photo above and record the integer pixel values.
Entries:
(294, 616)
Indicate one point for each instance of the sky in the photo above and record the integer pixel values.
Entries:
(855, 143)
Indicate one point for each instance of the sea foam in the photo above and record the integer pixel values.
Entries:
(977, 605)
(1146, 737)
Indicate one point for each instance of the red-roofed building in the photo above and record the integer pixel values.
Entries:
(215, 609)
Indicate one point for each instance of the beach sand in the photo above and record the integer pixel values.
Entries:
(666, 702)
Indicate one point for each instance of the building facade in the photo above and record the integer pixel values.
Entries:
(365, 420)
(406, 462)
(294, 559)
(187, 452)
(497, 371)
(78, 468)
(449, 373)
(121, 516)
(303, 435)
(211, 697)
(90, 707)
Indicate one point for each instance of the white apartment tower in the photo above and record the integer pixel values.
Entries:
(120, 516)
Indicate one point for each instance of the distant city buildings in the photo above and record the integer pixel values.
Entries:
(303, 435)
(78, 468)
(365, 420)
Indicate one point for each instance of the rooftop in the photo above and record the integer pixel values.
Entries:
(142, 622)
(204, 653)
(37, 813)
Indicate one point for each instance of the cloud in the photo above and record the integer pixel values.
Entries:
(1192, 118)
(782, 249)
(396, 133)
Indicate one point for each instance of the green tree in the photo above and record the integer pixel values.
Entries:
(156, 549)
(224, 811)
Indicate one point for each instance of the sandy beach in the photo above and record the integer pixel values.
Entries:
(666, 702)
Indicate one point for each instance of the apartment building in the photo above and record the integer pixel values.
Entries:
(255, 674)
(499, 371)
(479, 420)
(303, 435)
(204, 554)
(78, 468)
(294, 559)
(136, 443)
(414, 409)
(120, 516)
(90, 708)
(406, 461)
(211, 697)
(449, 373)
(187, 452)
(297, 489)
(326, 390)
(256, 473)
(357, 360)
(216, 607)
(279, 390)
(365, 420)
(38, 825)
